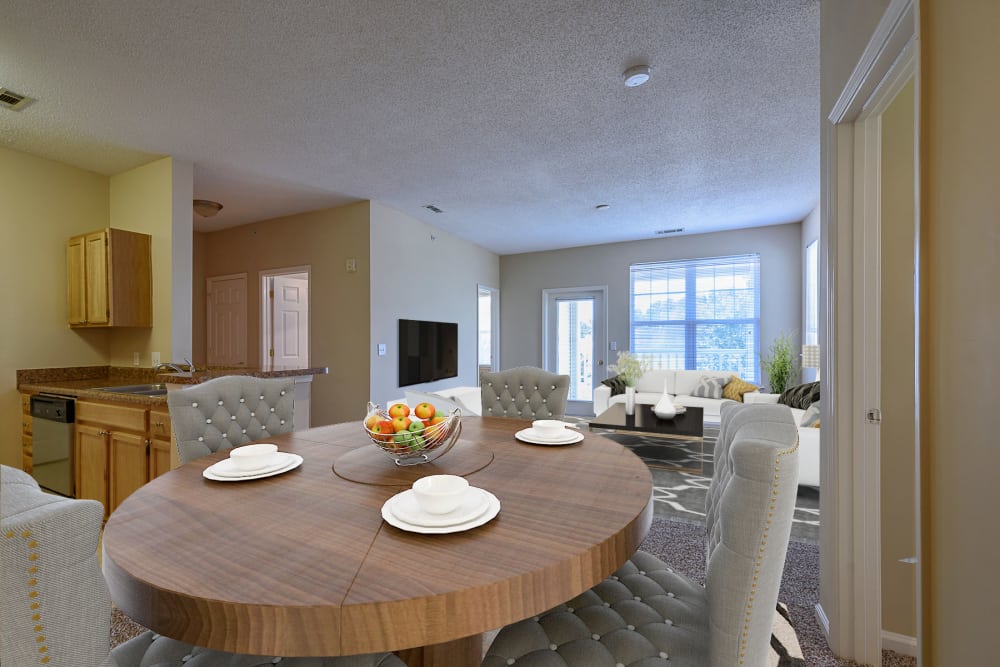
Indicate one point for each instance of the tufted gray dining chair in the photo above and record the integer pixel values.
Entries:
(56, 610)
(228, 411)
(646, 614)
(525, 392)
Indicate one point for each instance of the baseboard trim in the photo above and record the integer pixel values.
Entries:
(902, 644)
(824, 622)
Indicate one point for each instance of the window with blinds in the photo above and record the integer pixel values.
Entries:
(697, 314)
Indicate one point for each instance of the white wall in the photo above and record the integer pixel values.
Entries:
(421, 273)
(524, 276)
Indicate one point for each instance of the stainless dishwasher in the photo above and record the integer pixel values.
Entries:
(52, 419)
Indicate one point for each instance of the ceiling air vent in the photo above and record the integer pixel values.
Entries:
(13, 101)
(432, 207)
(669, 231)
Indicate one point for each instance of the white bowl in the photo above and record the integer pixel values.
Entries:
(548, 428)
(440, 494)
(252, 457)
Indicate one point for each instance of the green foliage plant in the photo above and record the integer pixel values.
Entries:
(780, 364)
(629, 367)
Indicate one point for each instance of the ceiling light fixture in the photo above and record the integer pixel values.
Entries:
(636, 76)
(206, 208)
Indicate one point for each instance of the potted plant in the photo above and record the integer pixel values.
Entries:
(629, 368)
(779, 365)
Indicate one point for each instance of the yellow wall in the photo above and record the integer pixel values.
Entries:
(339, 301)
(44, 203)
(959, 329)
(141, 201)
(897, 434)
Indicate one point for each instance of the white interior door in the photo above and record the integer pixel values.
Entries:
(575, 340)
(226, 299)
(288, 307)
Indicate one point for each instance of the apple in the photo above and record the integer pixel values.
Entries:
(401, 422)
(402, 439)
(399, 410)
(416, 426)
(383, 430)
(371, 420)
(424, 410)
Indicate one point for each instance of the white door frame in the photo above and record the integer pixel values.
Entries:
(600, 348)
(494, 327)
(265, 316)
(850, 566)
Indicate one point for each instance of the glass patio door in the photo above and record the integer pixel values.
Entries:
(575, 334)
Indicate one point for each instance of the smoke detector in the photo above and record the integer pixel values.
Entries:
(636, 76)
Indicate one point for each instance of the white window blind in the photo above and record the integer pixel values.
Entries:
(698, 314)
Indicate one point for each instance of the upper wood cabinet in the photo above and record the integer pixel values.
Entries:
(110, 279)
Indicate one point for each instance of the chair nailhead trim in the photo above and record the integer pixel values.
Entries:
(243, 400)
(511, 661)
(220, 402)
(553, 647)
(596, 637)
(34, 605)
(208, 421)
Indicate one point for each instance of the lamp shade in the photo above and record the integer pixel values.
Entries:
(810, 356)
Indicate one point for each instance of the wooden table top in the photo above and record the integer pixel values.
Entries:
(303, 564)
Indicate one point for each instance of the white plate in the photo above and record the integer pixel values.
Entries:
(226, 467)
(492, 509)
(405, 507)
(293, 461)
(529, 435)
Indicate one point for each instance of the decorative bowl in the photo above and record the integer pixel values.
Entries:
(415, 446)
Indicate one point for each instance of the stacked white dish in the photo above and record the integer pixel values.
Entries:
(534, 436)
(266, 465)
(477, 507)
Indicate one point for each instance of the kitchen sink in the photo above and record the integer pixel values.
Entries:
(141, 389)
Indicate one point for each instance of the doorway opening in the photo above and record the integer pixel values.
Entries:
(284, 309)
(488, 328)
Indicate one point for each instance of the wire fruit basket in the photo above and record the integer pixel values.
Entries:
(423, 441)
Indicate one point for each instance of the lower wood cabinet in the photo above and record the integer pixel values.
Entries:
(118, 449)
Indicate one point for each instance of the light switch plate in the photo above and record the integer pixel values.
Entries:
(381, 349)
(156, 359)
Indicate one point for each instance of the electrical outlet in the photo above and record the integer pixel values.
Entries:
(351, 265)
(135, 358)
(156, 359)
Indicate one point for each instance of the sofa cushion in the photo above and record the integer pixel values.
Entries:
(800, 396)
(617, 385)
(811, 417)
(736, 387)
(686, 381)
(709, 387)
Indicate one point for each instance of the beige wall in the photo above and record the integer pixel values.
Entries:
(44, 203)
(141, 201)
(897, 434)
(199, 350)
(339, 301)
(959, 329)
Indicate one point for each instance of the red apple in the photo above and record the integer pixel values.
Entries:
(399, 410)
(424, 410)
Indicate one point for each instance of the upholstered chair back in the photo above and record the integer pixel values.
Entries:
(525, 392)
(229, 411)
(56, 610)
(648, 614)
(749, 509)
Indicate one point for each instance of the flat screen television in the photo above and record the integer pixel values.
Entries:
(428, 351)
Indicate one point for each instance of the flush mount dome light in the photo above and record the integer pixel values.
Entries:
(636, 76)
(206, 208)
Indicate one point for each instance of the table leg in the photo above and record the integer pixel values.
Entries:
(464, 652)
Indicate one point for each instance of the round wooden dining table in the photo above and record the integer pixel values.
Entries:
(302, 563)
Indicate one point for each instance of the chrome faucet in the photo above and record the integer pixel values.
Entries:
(175, 367)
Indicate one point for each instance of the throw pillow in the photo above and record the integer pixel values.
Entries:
(709, 387)
(800, 396)
(736, 387)
(616, 383)
(811, 417)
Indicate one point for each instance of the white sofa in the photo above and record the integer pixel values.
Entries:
(808, 440)
(679, 384)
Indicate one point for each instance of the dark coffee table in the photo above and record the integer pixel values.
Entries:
(679, 441)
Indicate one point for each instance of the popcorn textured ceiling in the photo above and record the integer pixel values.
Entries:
(512, 117)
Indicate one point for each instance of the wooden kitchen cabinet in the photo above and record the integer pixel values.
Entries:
(92, 464)
(160, 443)
(112, 451)
(109, 276)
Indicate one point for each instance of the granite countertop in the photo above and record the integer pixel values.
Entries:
(86, 381)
